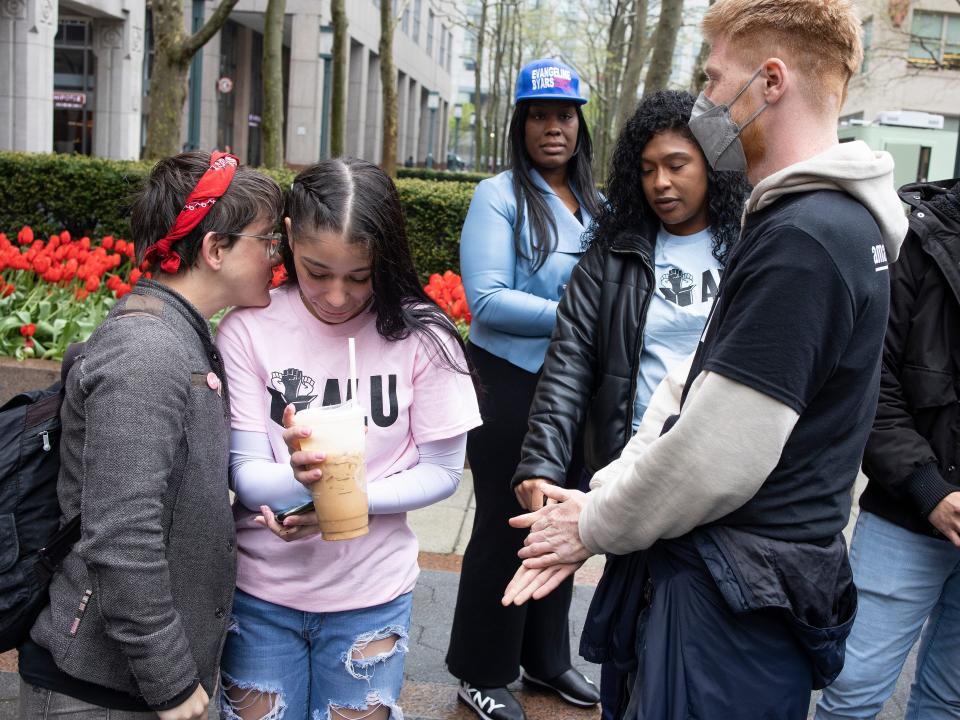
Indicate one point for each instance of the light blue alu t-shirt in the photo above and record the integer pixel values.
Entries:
(686, 279)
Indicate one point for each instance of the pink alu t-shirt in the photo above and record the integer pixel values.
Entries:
(282, 354)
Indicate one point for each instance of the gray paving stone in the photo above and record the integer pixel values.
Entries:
(9, 691)
(440, 527)
(437, 527)
(433, 605)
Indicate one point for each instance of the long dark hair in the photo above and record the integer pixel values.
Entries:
(543, 226)
(358, 200)
(627, 209)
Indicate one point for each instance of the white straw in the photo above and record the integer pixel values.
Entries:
(354, 383)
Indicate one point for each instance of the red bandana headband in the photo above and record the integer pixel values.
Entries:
(213, 184)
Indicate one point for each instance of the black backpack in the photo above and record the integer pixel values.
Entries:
(32, 541)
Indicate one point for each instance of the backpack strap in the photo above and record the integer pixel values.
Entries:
(70, 355)
(141, 305)
(52, 554)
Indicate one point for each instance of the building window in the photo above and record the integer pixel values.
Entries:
(416, 20)
(449, 51)
(148, 51)
(405, 22)
(935, 40)
(442, 55)
(430, 33)
(74, 71)
(470, 45)
(867, 30)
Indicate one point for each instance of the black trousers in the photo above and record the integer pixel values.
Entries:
(489, 642)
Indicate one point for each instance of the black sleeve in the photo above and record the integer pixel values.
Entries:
(897, 456)
(787, 321)
(564, 388)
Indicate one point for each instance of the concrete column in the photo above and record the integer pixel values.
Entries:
(209, 97)
(241, 91)
(357, 99)
(27, 29)
(118, 46)
(424, 130)
(413, 120)
(443, 131)
(305, 102)
(208, 85)
(373, 140)
(403, 91)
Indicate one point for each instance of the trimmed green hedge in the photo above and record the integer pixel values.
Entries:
(445, 175)
(92, 196)
(435, 213)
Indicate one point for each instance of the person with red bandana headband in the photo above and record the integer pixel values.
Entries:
(144, 455)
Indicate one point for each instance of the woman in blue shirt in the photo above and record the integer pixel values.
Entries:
(520, 241)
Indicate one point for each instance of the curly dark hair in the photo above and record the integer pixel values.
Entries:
(627, 209)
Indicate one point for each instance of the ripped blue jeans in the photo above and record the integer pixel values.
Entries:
(311, 662)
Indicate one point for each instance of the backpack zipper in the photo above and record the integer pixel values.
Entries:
(45, 436)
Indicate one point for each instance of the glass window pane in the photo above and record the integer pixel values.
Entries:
(68, 62)
(925, 38)
(70, 32)
(926, 24)
(953, 29)
(76, 34)
(951, 49)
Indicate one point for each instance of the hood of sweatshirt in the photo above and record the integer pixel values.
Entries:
(853, 168)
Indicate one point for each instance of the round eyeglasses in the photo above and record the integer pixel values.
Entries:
(273, 241)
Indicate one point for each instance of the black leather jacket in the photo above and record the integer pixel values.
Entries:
(912, 456)
(589, 377)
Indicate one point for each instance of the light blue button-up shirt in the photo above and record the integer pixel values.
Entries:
(514, 309)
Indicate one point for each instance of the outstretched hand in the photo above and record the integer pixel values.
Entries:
(536, 584)
(554, 537)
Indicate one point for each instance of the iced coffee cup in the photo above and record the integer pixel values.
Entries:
(340, 496)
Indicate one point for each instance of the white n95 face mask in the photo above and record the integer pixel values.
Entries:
(717, 133)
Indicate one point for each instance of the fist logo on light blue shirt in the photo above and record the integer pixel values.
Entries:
(677, 286)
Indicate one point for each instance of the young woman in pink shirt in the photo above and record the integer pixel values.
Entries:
(320, 626)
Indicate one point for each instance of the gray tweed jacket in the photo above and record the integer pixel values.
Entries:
(144, 456)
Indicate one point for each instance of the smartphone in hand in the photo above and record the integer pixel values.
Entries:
(295, 510)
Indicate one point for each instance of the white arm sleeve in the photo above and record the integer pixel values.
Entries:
(664, 403)
(257, 478)
(432, 479)
(726, 442)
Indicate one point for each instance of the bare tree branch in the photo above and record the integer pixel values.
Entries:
(209, 29)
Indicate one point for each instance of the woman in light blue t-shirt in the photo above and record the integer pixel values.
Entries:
(635, 305)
